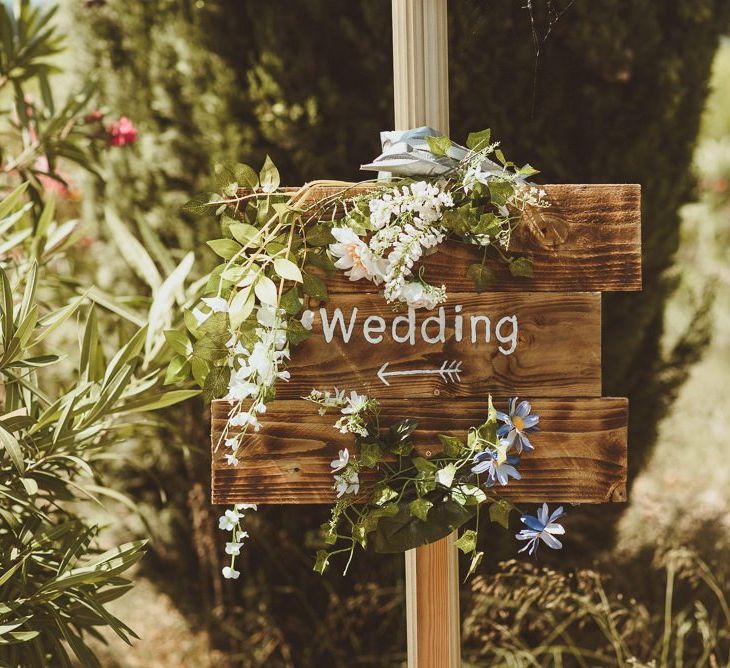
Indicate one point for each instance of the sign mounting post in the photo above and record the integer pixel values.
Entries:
(421, 97)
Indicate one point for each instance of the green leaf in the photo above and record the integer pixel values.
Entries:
(403, 532)
(439, 145)
(243, 232)
(177, 370)
(419, 508)
(266, 291)
(296, 332)
(424, 465)
(288, 270)
(499, 512)
(475, 561)
(216, 382)
(481, 275)
(528, 170)
(382, 494)
(225, 179)
(178, 342)
(452, 445)
(225, 248)
(10, 444)
(521, 267)
(500, 191)
(320, 235)
(467, 542)
(322, 561)
(202, 204)
(468, 495)
(314, 286)
(269, 176)
(241, 307)
(479, 140)
(371, 454)
(246, 176)
(291, 301)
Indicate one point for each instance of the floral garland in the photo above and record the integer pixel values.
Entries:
(239, 336)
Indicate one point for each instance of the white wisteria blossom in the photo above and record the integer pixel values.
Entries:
(229, 520)
(230, 573)
(340, 463)
(347, 483)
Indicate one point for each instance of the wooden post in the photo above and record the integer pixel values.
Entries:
(421, 97)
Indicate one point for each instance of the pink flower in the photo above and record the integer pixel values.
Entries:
(55, 182)
(122, 132)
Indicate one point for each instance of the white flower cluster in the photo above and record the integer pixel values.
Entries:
(352, 408)
(253, 372)
(231, 521)
(405, 224)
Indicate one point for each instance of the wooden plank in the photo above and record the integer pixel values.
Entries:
(432, 604)
(554, 349)
(589, 239)
(579, 457)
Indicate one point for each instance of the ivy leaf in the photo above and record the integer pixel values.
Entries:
(467, 542)
(371, 455)
(521, 267)
(382, 494)
(322, 561)
(314, 286)
(468, 495)
(423, 465)
(269, 176)
(296, 332)
(499, 512)
(419, 508)
(320, 260)
(479, 140)
(500, 191)
(452, 445)
(291, 301)
(481, 275)
(225, 248)
(528, 170)
(439, 145)
(320, 235)
(201, 204)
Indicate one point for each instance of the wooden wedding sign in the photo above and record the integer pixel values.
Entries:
(538, 337)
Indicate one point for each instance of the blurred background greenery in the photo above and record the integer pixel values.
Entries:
(602, 91)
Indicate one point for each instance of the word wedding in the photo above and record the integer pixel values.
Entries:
(433, 329)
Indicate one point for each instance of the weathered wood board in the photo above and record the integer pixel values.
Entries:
(525, 343)
(580, 452)
(588, 240)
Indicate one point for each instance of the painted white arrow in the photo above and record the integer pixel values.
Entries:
(450, 372)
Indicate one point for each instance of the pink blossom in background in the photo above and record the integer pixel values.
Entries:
(122, 132)
(63, 190)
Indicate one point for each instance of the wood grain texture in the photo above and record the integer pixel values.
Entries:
(579, 457)
(432, 604)
(589, 239)
(557, 350)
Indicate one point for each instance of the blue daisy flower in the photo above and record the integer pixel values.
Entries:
(487, 462)
(517, 424)
(542, 528)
